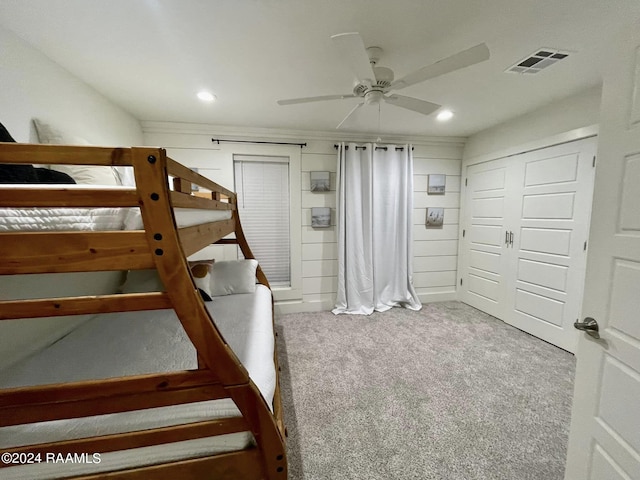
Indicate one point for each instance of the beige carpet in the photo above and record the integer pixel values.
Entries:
(445, 393)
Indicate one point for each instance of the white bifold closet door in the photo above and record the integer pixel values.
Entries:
(526, 225)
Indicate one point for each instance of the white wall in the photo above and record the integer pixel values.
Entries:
(32, 86)
(542, 125)
(435, 250)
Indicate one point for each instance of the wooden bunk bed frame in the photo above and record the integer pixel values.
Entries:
(163, 246)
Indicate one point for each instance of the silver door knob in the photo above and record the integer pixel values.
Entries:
(589, 325)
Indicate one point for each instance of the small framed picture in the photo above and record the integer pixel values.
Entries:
(435, 217)
(435, 184)
(320, 217)
(320, 181)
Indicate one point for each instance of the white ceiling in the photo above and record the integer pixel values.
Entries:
(152, 56)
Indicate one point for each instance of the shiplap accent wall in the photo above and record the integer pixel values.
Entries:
(434, 250)
(319, 245)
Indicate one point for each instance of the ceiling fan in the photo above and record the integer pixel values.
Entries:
(375, 84)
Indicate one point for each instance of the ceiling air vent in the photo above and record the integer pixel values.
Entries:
(542, 58)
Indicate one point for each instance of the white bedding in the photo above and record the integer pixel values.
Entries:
(136, 343)
(61, 219)
(64, 219)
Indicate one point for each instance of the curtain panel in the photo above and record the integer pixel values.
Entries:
(374, 226)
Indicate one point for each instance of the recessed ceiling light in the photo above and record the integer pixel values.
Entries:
(445, 115)
(206, 96)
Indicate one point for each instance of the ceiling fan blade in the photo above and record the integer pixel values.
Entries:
(352, 49)
(468, 57)
(293, 101)
(410, 103)
(349, 114)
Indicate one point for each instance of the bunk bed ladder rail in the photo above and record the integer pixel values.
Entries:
(151, 166)
(242, 243)
(183, 182)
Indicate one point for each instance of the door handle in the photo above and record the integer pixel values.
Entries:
(590, 326)
(511, 238)
(506, 237)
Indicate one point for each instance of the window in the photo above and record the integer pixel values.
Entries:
(262, 185)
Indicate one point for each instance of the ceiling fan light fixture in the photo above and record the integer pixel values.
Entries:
(206, 96)
(445, 115)
(373, 97)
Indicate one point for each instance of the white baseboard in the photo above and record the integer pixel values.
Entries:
(438, 297)
(283, 308)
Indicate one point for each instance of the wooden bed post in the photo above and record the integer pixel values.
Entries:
(214, 354)
(159, 222)
(276, 455)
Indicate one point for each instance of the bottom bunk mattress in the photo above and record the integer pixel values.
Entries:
(132, 343)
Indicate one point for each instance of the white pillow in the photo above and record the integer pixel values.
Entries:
(82, 174)
(89, 174)
(235, 276)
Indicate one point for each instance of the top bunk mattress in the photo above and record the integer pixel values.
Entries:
(92, 219)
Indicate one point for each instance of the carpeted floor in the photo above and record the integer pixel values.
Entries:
(446, 393)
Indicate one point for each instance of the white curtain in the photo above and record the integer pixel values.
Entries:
(374, 223)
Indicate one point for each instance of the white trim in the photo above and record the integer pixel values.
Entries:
(260, 158)
(438, 297)
(284, 308)
(325, 305)
(271, 134)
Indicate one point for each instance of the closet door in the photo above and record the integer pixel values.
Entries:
(548, 255)
(484, 247)
(523, 252)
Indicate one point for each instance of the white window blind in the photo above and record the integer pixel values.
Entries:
(262, 185)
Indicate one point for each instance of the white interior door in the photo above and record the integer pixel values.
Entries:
(483, 241)
(604, 441)
(552, 204)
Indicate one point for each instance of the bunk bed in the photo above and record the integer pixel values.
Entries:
(152, 383)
